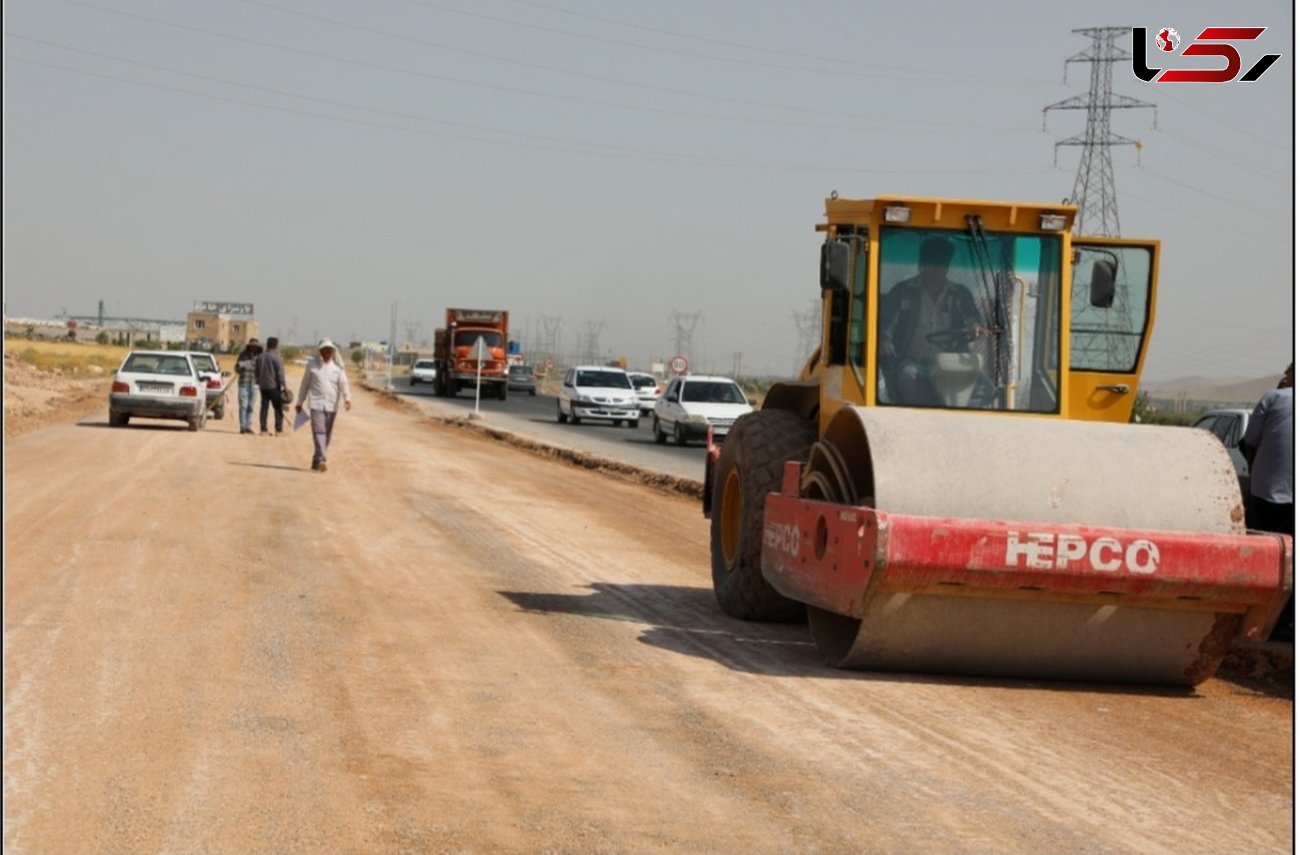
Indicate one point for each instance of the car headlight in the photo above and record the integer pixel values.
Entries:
(696, 419)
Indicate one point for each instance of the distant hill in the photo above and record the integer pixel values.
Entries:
(1213, 390)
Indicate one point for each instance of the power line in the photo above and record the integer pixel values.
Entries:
(493, 87)
(947, 80)
(544, 143)
(762, 48)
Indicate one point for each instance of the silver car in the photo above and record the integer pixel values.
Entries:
(158, 384)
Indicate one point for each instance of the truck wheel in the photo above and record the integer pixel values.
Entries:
(503, 391)
(753, 459)
(412, 381)
(660, 436)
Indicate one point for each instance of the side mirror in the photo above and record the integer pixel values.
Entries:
(835, 266)
(225, 373)
(1102, 287)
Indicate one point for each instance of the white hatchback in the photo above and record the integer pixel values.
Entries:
(691, 405)
(647, 390)
(597, 392)
(158, 384)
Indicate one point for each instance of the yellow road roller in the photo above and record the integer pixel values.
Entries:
(952, 484)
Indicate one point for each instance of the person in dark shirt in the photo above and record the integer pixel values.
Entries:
(269, 369)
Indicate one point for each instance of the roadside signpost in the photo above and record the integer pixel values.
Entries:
(479, 354)
(679, 365)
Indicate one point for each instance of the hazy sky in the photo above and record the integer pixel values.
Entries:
(606, 163)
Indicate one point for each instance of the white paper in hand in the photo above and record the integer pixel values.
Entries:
(300, 418)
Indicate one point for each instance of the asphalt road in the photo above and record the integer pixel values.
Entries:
(534, 416)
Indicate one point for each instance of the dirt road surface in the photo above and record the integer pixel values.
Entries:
(446, 644)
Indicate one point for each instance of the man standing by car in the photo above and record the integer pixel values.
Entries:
(246, 372)
(1269, 446)
(324, 385)
(271, 383)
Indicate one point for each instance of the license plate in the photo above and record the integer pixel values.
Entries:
(154, 388)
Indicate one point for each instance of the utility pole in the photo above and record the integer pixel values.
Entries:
(1094, 183)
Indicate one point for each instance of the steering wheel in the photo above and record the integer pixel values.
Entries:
(953, 340)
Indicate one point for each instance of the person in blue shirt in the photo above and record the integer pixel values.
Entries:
(1269, 446)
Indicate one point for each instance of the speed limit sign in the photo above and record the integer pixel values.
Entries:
(679, 364)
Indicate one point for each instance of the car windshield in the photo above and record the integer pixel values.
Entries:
(157, 363)
(713, 393)
(642, 381)
(522, 370)
(203, 362)
(466, 338)
(604, 379)
(424, 363)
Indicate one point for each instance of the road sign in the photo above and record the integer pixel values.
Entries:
(480, 353)
(548, 364)
(679, 364)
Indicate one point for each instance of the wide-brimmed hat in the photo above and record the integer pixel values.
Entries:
(324, 343)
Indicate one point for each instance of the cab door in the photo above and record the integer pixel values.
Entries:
(1111, 315)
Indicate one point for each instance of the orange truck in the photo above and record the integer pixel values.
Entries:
(454, 351)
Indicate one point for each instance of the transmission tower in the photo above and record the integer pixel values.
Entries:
(550, 339)
(590, 342)
(809, 325)
(684, 332)
(1094, 183)
(1096, 332)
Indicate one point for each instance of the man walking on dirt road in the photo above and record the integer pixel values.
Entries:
(324, 384)
(271, 382)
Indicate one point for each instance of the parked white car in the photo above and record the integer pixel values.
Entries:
(597, 392)
(424, 371)
(158, 384)
(647, 390)
(213, 380)
(1230, 426)
(691, 405)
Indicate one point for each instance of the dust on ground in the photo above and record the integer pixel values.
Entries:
(34, 399)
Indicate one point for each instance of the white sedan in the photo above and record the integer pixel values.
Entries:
(691, 405)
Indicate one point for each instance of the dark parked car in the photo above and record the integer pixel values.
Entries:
(522, 379)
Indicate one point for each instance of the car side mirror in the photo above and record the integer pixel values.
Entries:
(225, 373)
(835, 266)
(1102, 287)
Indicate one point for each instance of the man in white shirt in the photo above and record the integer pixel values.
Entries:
(324, 385)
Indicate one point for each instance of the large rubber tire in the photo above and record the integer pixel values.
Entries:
(750, 467)
(660, 436)
(116, 419)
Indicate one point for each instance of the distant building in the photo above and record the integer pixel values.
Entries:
(221, 325)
